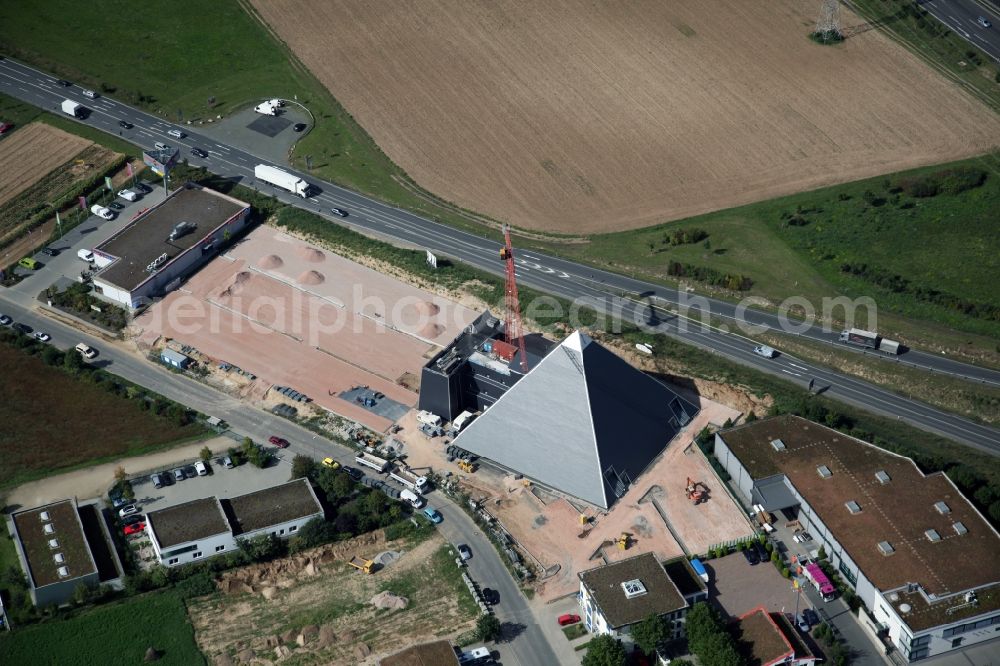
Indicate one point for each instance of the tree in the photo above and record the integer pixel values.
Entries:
(302, 467)
(605, 651)
(488, 627)
(649, 633)
(821, 554)
(205, 454)
(259, 548)
(73, 362)
(120, 474)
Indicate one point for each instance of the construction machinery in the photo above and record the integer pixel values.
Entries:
(624, 541)
(696, 491)
(361, 564)
(466, 466)
(512, 332)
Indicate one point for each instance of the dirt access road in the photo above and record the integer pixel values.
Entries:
(587, 117)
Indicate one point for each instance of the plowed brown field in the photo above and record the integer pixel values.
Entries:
(32, 152)
(583, 117)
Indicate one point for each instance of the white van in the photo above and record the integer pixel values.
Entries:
(415, 500)
(159, 145)
(201, 468)
(461, 421)
(176, 133)
(91, 94)
(86, 255)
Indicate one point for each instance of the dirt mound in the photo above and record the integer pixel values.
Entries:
(312, 277)
(311, 254)
(427, 309)
(362, 651)
(431, 331)
(245, 656)
(389, 600)
(307, 635)
(270, 262)
(327, 637)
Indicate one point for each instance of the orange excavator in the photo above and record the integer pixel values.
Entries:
(696, 491)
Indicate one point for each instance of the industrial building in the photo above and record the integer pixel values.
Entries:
(165, 243)
(922, 559)
(582, 420)
(202, 528)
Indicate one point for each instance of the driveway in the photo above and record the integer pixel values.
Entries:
(738, 587)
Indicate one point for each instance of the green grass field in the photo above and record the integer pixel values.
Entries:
(109, 635)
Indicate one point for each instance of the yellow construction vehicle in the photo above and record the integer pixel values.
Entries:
(361, 564)
(466, 466)
(624, 541)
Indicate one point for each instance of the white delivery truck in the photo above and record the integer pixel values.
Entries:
(415, 500)
(282, 179)
(72, 108)
(462, 420)
(410, 479)
(368, 460)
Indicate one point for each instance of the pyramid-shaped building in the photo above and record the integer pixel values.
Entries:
(583, 422)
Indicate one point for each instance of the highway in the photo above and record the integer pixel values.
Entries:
(607, 292)
(961, 16)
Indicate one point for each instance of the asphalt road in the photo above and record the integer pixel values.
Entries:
(962, 16)
(607, 292)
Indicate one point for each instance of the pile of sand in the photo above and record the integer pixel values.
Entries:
(312, 277)
(427, 309)
(389, 600)
(311, 254)
(270, 262)
(431, 331)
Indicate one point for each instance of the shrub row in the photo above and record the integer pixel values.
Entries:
(946, 181)
(709, 276)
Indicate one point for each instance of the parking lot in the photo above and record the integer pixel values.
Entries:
(737, 587)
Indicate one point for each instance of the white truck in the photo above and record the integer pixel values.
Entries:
(368, 460)
(75, 109)
(461, 421)
(267, 108)
(409, 478)
(282, 179)
(869, 339)
(414, 500)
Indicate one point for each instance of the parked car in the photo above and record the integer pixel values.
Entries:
(124, 124)
(464, 551)
(28, 262)
(190, 471)
(198, 152)
(227, 462)
(331, 463)
(761, 551)
(355, 474)
(133, 519)
(810, 616)
(800, 622)
(280, 442)
(765, 351)
(201, 468)
(135, 528)
(101, 211)
(86, 350)
(22, 328)
(118, 501)
(6, 127)
(128, 510)
(50, 252)
(298, 127)
(5, 320)
(178, 474)
(143, 187)
(129, 195)
(44, 337)
(568, 619)
(339, 212)
(750, 554)
(116, 205)
(433, 515)
(491, 596)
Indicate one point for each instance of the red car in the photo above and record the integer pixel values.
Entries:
(134, 528)
(568, 619)
(4, 127)
(278, 441)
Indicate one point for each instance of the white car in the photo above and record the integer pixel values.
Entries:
(128, 510)
(86, 350)
(44, 337)
(101, 211)
(129, 195)
(765, 351)
(176, 133)
(5, 320)
(985, 22)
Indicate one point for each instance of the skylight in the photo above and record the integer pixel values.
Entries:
(932, 536)
(53, 543)
(886, 548)
(778, 445)
(633, 588)
(853, 506)
(63, 572)
(44, 516)
(960, 528)
(882, 477)
(48, 529)
(942, 508)
(824, 471)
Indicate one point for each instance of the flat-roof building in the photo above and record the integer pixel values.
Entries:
(768, 639)
(165, 243)
(923, 560)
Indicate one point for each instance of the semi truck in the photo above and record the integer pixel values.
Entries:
(282, 179)
(869, 339)
(410, 479)
(368, 460)
(72, 108)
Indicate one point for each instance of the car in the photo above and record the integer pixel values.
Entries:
(190, 471)
(176, 133)
(178, 474)
(298, 127)
(90, 93)
(124, 124)
(801, 623)
(464, 551)
(5, 320)
(142, 188)
(810, 616)
(491, 596)
(339, 212)
(985, 22)
(22, 328)
(28, 262)
(86, 350)
(331, 463)
(198, 152)
(280, 442)
(355, 474)
(116, 205)
(101, 211)
(568, 619)
(433, 514)
(761, 551)
(44, 337)
(227, 462)
(118, 502)
(765, 351)
(128, 510)
(50, 252)
(134, 528)
(6, 127)
(64, 83)
(128, 195)
(751, 556)
(133, 519)
(159, 145)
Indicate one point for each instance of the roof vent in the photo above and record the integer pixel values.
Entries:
(853, 506)
(886, 548)
(932, 536)
(44, 516)
(58, 557)
(893, 597)
(942, 508)
(905, 608)
(960, 528)
(53, 543)
(778, 445)
(63, 572)
(633, 588)
(824, 471)
(48, 529)
(882, 477)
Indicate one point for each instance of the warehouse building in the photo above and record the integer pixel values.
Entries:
(206, 527)
(165, 244)
(922, 559)
(603, 420)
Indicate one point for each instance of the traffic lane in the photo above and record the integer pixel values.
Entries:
(962, 17)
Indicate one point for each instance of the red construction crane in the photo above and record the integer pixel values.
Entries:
(512, 333)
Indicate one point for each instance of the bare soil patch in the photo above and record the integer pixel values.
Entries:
(572, 117)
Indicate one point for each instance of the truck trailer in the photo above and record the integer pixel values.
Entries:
(72, 108)
(282, 179)
(410, 479)
(368, 460)
(869, 339)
